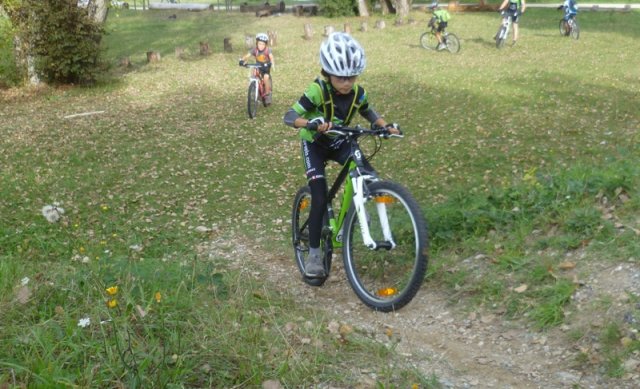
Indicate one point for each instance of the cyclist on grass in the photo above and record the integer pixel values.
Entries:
(331, 100)
(264, 57)
(439, 21)
(514, 8)
(570, 10)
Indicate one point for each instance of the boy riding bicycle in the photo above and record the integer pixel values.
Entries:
(328, 101)
(439, 22)
(264, 57)
(570, 10)
(514, 8)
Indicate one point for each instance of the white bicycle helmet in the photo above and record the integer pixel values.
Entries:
(341, 55)
(433, 5)
(262, 37)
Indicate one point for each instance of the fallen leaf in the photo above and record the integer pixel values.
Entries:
(141, 311)
(23, 295)
(568, 265)
(521, 289)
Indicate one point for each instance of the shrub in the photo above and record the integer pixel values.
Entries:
(334, 8)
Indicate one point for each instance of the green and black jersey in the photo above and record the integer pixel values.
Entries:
(321, 100)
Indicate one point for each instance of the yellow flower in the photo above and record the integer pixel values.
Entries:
(112, 303)
(104, 207)
(81, 249)
(158, 297)
(112, 290)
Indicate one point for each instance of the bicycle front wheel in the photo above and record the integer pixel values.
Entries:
(300, 236)
(452, 42)
(252, 99)
(575, 30)
(563, 27)
(429, 41)
(501, 37)
(388, 277)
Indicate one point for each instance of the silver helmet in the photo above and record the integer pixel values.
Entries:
(341, 55)
(262, 37)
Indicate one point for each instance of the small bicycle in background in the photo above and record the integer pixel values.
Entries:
(257, 89)
(570, 28)
(503, 31)
(379, 226)
(429, 41)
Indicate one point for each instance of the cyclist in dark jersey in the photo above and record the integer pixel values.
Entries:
(264, 56)
(514, 8)
(333, 100)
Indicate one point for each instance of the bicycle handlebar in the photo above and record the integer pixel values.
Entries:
(256, 65)
(381, 132)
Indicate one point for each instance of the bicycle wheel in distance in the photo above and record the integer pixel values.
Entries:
(501, 37)
(387, 278)
(300, 236)
(575, 30)
(252, 100)
(563, 27)
(453, 43)
(428, 40)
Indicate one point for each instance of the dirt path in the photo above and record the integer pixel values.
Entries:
(464, 350)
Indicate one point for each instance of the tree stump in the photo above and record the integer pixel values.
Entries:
(153, 56)
(204, 48)
(328, 30)
(261, 13)
(347, 28)
(363, 27)
(399, 22)
(180, 53)
(308, 32)
(380, 24)
(298, 10)
(273, 38)
(125, 62)
(227, 45)
(249, 41)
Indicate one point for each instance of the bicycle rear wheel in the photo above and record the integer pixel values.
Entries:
(452, 42)
(575, 30)
(429, 41)
(252, 99)
(300, 236)
(386, 278)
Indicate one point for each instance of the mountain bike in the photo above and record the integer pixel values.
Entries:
(257, 89)
(503, 31)
(570, 27)
(429, 41)
(379, 227)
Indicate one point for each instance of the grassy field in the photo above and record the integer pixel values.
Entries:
(522, 155)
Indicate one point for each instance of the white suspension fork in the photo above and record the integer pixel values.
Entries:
(384, 222)
(358, 202)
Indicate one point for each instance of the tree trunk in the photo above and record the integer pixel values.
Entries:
(362, 8)
(402, 8)
(387, 7)
(98, 10)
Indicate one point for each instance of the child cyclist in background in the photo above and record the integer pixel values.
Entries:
(331, 100)
(264, 57)
(570, 11)
(514, 8)
(439, 21)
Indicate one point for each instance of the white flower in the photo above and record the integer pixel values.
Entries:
(84, 322)
(24, 281)
(52, 212)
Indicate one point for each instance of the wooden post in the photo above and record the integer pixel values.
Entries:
(204, 48)
(328, 30)
(249, 41)
(180, 52)
(308, 32)
(227, 45)
(153, 56)
(273, 38)
(380, 24)
(363, 27)
(298, 10)
(347, 28)
(125, 62)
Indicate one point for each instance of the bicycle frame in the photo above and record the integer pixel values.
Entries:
(355, 194)
(256, 77)
(506, 23)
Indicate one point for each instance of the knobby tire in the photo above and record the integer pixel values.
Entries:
(452, 42)
(252, 100)
(386, 279)
(300, 236)
(428, 41)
